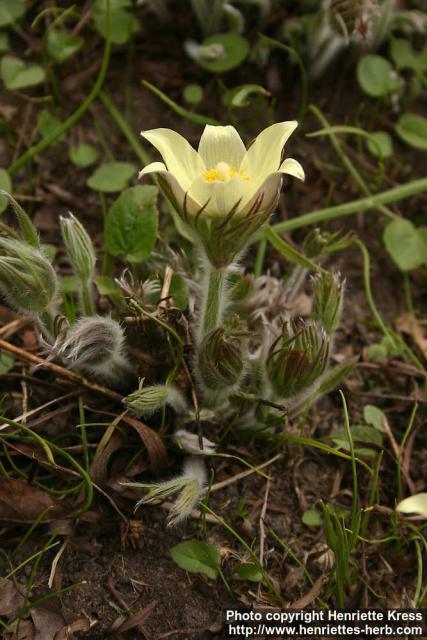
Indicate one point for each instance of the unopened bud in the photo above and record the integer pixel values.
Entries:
(148, 400)
(79, 247)
(27, 279)
(190, 486)
(96, 346)
(328, 300)
(222, 354)
(297, 358)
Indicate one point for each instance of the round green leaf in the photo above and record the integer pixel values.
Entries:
(83, 156)
(193, 93)
(131, 224)
(406, 244)
(380, 144)
(412, 128)
(247, 571)
(11, 11)
(17, 74)
(197, 557)
(123, 23)
(6, 185)
(62, 45)
(376, 76)
(312, 518)
(111, 177)
(223, 51)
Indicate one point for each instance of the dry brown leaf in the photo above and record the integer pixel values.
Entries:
(155, 447)
(10, 599)
(406, 323)
(22, 502)
(47, 621)
(99, 467)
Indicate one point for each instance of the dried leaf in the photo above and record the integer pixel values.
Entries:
(99, 467)
(22, 502)
(10, 599)
(155, 447)
(47, 621)
(406, 323)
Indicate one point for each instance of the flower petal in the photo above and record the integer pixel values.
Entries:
(220, 197)
(177, 192)
(270, 189)
(221, 144)
(293, 168)
(263, 156)
(154, 167)
(179, 156)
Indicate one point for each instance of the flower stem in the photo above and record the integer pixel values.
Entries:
(87, 305)
(214, 291)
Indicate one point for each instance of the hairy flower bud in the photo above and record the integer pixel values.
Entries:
(148, 400)
(27, 279)
(297, 358)
(328, 300)
(222, 354)
(96, 346)
(190, 487)
(79, 247)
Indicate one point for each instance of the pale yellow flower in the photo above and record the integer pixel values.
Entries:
(222, 175)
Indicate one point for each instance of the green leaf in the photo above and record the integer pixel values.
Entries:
(404, 56)
(376, 76)
(6, 185)
(47, 123)
(111, 177)
(312, 518)
(123, 23)
(84, 155)
(380, 144)
(197, 557)
(360, 433)
(62, 45)
(247, 571)
(4, 41)
(193, 93)
(406, 244)
(107, 287)
(17, 74)
(414, 504)
(412, 128)
(131, 224)
(7, 362)
(11, 11)
(223, 51)
(374, 416)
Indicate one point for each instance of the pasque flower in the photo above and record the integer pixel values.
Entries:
(223, 188)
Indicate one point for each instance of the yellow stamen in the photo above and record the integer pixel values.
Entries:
(222, 172)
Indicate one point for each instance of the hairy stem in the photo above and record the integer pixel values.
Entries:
(212, 304)
(87, 304)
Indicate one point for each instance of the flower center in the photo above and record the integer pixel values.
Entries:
(222, 172)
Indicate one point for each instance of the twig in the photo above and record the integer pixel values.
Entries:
(61, 372)
(262, 528)
(243, 474)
